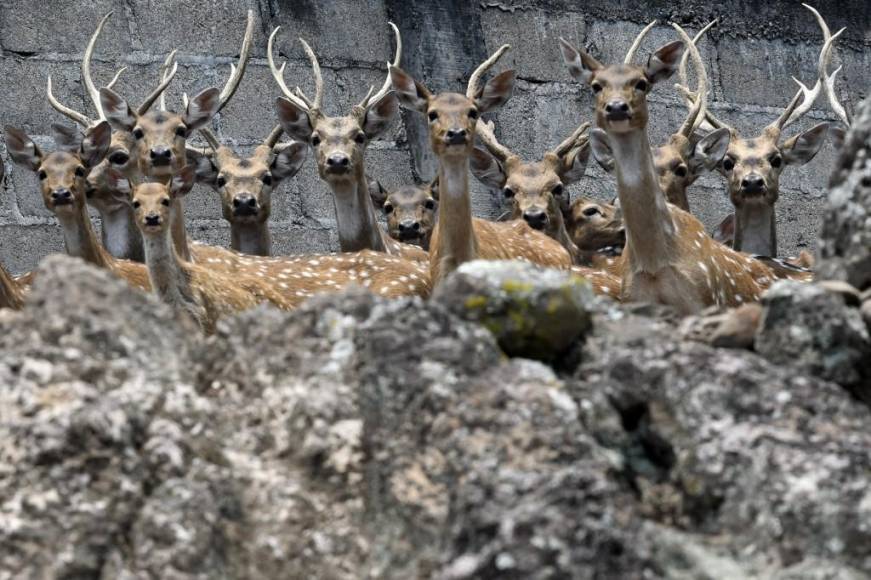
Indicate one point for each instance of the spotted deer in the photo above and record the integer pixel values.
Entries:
(411, 212)
(118, 232)
(453, 117)
(752, 168)
(62, 175)
(12, 291)
(339, 145)
(668, 258)
(596, 228)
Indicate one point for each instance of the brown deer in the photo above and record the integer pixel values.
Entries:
(597, 230)
(62, 175)
(453, 117)
(668, 257)
(192, 289)
(536, 191)
(339, 145)
(753, 166)
(12, 291)
(411, 212)
(118, 232)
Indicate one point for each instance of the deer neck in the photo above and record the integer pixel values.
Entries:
(756, 230)
(169, 279)
(80, 240)
(120, 236)
(456, 241)
(251, 238)
(356, 218)
(561, 234)
(179, 233)
(650, 230)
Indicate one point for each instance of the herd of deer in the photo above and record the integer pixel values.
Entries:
(133, 165)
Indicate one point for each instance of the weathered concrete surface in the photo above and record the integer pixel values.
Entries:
(751, 55)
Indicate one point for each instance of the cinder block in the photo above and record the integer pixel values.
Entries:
(25, 104)
(22, 247)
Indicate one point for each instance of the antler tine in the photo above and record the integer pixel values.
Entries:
(475, 80)
(274, 136)
(149, 100)
(488, 138)
(630, 55)
(697, 111)
(318, 101)
(237, 72)
(828, 81)
(387, 83)
(302, 96)
(93, 92)
(278, 74)
(571, 140)
(64, 110)
(170, 58)
(116, 77)
(780, 124)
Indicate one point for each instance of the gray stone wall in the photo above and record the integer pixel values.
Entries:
(751, 56)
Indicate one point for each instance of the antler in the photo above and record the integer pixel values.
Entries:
(488, 138)
(164, 69)
(79, 118)
(297, 98)
(827, 80)
(370, 98)
(165, 80)
(473, 88)
(274, 136)
(318, 101)
(571, 141)
(630, 55)
(698, 105)
(236, 72)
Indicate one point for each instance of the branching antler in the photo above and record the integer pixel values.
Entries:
(828, 80)
(486, 134)
(474, 87)
(298, 98)
(370, 98)
(698, 104)
(575, 139)
(164, 70)
(630, 54)
(149, 100)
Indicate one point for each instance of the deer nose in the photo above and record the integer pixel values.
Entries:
(753, 183)
(455, 137)
(338, 161)
(160, 155)
(617, 110)
(536, 218)
(244, 204)
(409, 228)
(61, 195)
(152, 219)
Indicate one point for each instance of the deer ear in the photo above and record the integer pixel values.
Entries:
(725, 231)
(487, 169)
(380, 114)
(120, 186)
(293, 119)
(96, 143)
(201, 109)
(803, 147)
(839, 135)
(412, 94)
(182, 181)
(118, 112)
(662, 63)
(288, 159)
(574, 163)
(581, 65)
(434, 188)
(602, 152)
(496, 92)
(22, 149)
(376, 191)
(205, 170)
(710, 150)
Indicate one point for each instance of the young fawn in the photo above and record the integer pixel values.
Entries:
(668, 258)
(411, 212)
(62, 175)
(458, 237)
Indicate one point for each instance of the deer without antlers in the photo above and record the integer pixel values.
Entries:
(411, 211)
(453, 117)
(668, 256)
(339, 145)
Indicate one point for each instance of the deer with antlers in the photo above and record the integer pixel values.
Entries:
(826, 80)
(339, 145)
(62, 175)
(668, 257)
(453, 118)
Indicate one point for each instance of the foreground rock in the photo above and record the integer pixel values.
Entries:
(360, 438)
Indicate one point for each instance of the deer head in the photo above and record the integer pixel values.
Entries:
(595, 227)
(453, 117)
(152, 201)
(339, 143)
(411, 212)
(536, 191)
(62, 173)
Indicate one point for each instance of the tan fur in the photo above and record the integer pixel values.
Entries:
(12, 290)
(593, 226)
(412, 204)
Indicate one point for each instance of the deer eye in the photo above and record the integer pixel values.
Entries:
(119, 158)
(558, 190)
(165, 201)
(360, 138)
(680, 171)
(429, 204)
(776, 161)
(138, 133)
(80, 171)
(266, 179)
(597, 88)
(591, 211)
(728, 164)
(433, 115)
(221, 181)
(508, 193)
(316, 140)
(473, 114)
(136, 204)
(642, 86)
(42, 174)
(388, 208)
(181, 131)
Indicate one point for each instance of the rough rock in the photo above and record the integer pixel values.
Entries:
(812, 330)
(533, 312)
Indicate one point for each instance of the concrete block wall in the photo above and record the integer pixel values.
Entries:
(751, 56)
